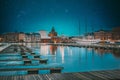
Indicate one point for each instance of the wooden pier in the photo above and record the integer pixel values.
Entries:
(94, 75)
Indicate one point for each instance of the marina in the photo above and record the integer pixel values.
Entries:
(45, 62)
(60, 40)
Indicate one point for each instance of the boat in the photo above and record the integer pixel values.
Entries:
(88, 41)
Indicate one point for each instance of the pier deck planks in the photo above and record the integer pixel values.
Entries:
(93, 75)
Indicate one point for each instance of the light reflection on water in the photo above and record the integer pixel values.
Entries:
(75, 59)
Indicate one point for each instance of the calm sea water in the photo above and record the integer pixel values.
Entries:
(75, 59)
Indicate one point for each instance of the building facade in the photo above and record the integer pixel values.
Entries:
(44, 37)
(32, 37)
(116, 33)
(10, 37)
(54, 37)
(13, 37)
(21, 37)
(43, 34)
(53, 33)
(103, 35)
(1, 38)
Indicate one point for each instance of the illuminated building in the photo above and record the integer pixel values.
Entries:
(32, 37)
(116, 33)
(11, 37)
(1, 38)
(44, 37)
(43, 34)
(53, 33)
(54, 37)
(21, 37)
(103, 35)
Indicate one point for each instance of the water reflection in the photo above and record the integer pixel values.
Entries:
(115, 52)
(69, 51)
(44, 50)
(75, 59)
(31, 45)
(53, 49)
(62, 53)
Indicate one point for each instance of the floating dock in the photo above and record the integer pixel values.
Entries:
(28, 61)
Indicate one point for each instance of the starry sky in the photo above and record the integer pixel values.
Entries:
(69, 17)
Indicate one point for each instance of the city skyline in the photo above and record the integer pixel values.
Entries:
(68, 17)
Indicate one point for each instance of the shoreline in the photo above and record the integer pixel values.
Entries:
(106, 46)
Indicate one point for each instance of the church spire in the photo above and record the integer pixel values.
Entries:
(52, 33)
(53, 29)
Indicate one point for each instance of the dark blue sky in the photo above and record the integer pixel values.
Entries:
(64, 15)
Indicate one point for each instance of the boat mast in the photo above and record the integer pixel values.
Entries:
(79, 28)
(92, 32)
(85, 26)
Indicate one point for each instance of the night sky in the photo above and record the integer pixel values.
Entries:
(65, 15)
